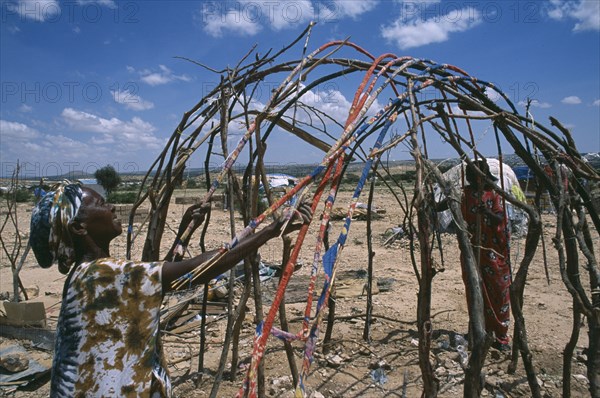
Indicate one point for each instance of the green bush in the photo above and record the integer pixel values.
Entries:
(445, 167)
(192, 183)
(23, 195)
(351, 178)
(394, 176)
(409, 175)
(122, 197)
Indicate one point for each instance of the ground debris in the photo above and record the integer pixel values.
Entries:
(14, 363)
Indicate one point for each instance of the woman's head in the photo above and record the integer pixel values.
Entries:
(67, 220)
(96, 220)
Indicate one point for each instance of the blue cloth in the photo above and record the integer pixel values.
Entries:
(39, 192)
(523, 173)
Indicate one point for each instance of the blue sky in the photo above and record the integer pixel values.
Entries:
(89, 83)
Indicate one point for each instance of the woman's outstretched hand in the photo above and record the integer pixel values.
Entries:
(302, 215)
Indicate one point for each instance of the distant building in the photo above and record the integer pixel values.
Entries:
(92, 183)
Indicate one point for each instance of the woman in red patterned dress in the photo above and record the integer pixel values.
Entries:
(486, 219)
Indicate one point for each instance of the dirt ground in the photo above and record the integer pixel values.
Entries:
(386, 366)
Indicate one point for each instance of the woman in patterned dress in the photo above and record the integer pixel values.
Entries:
(108, 340)
(486, 220)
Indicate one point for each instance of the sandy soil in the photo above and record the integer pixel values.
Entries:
(345, 371)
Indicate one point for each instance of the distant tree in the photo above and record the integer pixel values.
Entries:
(108, 177)
(191, 183)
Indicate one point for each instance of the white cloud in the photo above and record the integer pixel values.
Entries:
(596, 103)
(586, 13)
(248, 17)
(216, 25)
(47, 154)
(27, 144)
(131, 100)
(128, 135)
(77, 29)
(88, 122)
(337, 9)
(332, 102)
(536, 104)
(37, 10)
(163, 76)
(24, 108)
(13, 29)
(106, 3)
(571, 100)
(286, 15)
(241, 18)
(69, 146)
(416, 2)
(492, 94)
(419, 32)
(155, 79)
(458, 111)
(12, 131)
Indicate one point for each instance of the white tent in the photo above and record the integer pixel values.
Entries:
(280, 184)
(455, 176)
(281, 180)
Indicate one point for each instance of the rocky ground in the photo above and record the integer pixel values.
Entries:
(385, 366)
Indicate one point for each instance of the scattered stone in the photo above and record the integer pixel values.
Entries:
(317, 394)
(283, 381)
(335, 361)
(539, 381)
(443, 342)
(580, 377)
(582, 358)
(451, 364)
(493, 380)
(287, 394)
(458, 374)
(448, 355)
(14, 363)
(441, 372)
(364, 352)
